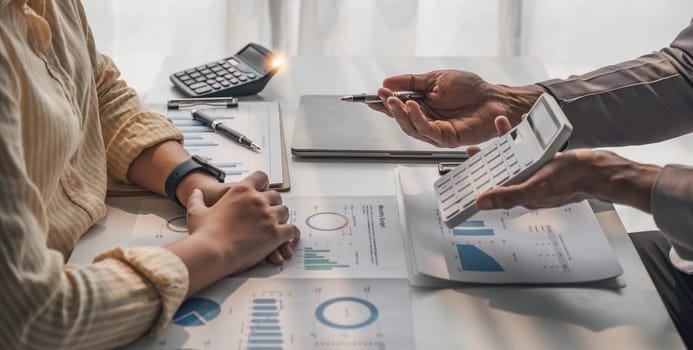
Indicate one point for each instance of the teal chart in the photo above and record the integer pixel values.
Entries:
(554, 245)
(273, 314)
(196, 312)
(342, 237)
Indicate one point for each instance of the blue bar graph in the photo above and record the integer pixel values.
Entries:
(265, 331)
(201, 144)
(472, 228)
(236, 172)
(227, 165)
(191, 129)
(315, 260)
(180, 117)
(472, 223)
(474, 259)
(179, 123)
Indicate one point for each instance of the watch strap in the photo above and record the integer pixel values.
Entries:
(195, 163)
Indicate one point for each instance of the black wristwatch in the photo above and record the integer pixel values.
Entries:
(195, 163)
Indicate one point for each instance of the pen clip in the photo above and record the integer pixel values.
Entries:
(226, 102)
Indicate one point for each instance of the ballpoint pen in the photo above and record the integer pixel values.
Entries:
(374, 98)
(224, 130)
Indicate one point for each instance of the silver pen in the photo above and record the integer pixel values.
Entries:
(374, 98)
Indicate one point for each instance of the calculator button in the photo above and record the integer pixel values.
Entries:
(213, 64)
(251, 76)
(211, 81)
(205, 71)
(228, 76)
(515, 168)
(481, 181)
(493, 155)
(451, 205)
(485, 187)
(226, 65)
(200, 78)
(448, 197)
(225, 83)
(466, 193)
(469, 202)
(195, 74)
(443, 183)
(216, 86)
(197, 85)
(179, 74)
(493, 168)
(188, 81)
(190, 71)
(232, 62)
(184, 77)
(203, 90)
(220, 79)
(236, 73)
(467, 185)
(233, 81)
(201, 68)
(476, 167)
(474, 161)
(210, 76)
(242, 78)
(216, 69)
(501, 177)
(221, 62)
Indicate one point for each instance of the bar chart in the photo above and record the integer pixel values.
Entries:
(320, 260)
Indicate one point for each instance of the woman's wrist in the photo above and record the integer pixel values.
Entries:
(209, 186)
(205, 260)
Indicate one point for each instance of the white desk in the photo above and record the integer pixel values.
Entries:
(482, 317)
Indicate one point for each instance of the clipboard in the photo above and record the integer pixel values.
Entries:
(259, 120)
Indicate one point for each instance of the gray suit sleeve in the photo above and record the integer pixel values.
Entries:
(645, 100)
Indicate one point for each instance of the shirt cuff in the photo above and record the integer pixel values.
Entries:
(142, 131)
(683, 265)
(163, 269)
(672, 209)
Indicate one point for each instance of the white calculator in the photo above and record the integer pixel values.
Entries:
(509, 159)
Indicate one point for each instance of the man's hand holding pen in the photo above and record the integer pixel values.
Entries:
(458, 108)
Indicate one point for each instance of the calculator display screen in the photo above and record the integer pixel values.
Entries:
(544, 123)
(256, 58)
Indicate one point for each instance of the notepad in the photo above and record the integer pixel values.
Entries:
(259, 120)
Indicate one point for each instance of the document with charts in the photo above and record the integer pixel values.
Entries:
(258, 120)
(556, 245)
(341, 237)
(255, 314)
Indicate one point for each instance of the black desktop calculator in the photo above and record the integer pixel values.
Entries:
(245, 73)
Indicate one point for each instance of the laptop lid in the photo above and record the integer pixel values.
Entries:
(328, 127)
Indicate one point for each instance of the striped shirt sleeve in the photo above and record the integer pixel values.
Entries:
(48, 304)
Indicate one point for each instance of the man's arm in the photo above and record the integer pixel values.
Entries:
(645, 100)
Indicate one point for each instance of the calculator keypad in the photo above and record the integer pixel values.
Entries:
(457, 191)
(214, 76)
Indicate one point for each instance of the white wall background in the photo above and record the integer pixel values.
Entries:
(569, 36)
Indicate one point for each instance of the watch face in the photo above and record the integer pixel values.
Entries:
(219, 174)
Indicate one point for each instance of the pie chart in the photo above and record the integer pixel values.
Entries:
(196, 312)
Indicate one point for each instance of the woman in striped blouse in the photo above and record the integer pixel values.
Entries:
(66, 123)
